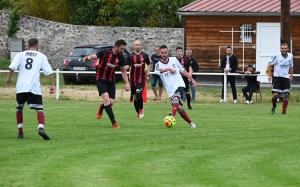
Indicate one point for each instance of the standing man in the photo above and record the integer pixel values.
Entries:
(195, 68)
(229, 65)
(187, 66)
(28, 88)
(170, 71)
(283, 74)
(105, 77)
(137, 62)
(154, 59)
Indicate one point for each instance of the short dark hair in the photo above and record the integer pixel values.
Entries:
(163, 47)
(118, 43)
(33, 42)
(250, 66)
(229, 47)
(179, 48)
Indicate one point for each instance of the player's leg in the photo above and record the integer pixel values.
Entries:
(109, 99)
(21, 98)
(276, 90)
(285, 94)
(102, 88)
(135, 101)
(139, 97)
(153, 85)
(36, 102)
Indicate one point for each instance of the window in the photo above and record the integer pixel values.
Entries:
(247, 30)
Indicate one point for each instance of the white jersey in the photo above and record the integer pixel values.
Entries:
(29, 63)
(172, 81)
(282, 65)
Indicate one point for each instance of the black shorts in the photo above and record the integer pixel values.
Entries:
(106, 86)
(187, 84)
(179, 94)
(281, 85)
(139, 86)
(33, 101)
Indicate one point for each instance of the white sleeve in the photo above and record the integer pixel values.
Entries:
(47, 69)
(15, 63)
(157, 69)
(181, 69)
(273, 61)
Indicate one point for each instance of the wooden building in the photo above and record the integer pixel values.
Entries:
(208, 26)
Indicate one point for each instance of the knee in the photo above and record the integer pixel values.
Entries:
(138, 94)
(285, 96)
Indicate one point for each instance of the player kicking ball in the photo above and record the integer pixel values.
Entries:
(170, 70)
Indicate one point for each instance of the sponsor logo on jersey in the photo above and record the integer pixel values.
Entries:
(138, 65)
(111, 65)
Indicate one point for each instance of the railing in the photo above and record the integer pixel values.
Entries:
(118, 72)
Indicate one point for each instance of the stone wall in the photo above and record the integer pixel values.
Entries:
(57, 39)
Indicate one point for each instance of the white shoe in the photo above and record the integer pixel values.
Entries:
(235, 101)
(251, 102)
(192, 125)
(221, 101)
(247, 102)
(141, 114)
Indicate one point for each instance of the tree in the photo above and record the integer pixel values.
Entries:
(4, 4)
(107, 14)
(83, 12)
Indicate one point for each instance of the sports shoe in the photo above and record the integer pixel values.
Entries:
(115, 126)
(43, 134)
(273, 110)
(283, 113)
(192, 125)
(221, 101)
(189, 107)
(251, 102)
(141, 113)
(247, 102)
(99, 112)
(171, 114)
(235, 101)
(20, 135)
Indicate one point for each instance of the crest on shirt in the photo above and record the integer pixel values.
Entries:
(173, 65)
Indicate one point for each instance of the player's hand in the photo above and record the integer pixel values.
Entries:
(8, 82)
(52, 90)
(194, 83)
(270, 78)
(291, 78)
(172, 70)
(127, 87)
(86, 59)
(146, 70)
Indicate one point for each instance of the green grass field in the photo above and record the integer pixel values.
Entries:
(233, 145)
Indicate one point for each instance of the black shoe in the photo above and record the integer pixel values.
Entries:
(273, 110)
(43, 134)
(20, 135)
(189, 107)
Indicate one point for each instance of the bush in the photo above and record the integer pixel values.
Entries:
(4, 63)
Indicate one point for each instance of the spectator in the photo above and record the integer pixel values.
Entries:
(229, 65)
(154, 59)
(251, 84)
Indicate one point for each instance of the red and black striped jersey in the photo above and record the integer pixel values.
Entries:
(184, 61)
(107, 64)
(137, 65)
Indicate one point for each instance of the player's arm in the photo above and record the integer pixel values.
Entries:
(185, 73)
(125, 77)
(52, 88)
(269, 73)
(90, 57)
(8, 80)
(291, 73)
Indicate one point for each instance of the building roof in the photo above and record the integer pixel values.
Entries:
(238, 7)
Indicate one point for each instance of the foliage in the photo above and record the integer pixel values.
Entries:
(12, 25)
(54, 10)
(83, 12)
(4, 63)
(4, 4)
(107, 14)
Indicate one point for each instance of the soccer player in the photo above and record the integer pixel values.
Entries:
(105, 77)
(154, 59)
(170, 71)
(283, 74)
(186, 64)
(28, 88)
(137, 62)
(195, 68)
